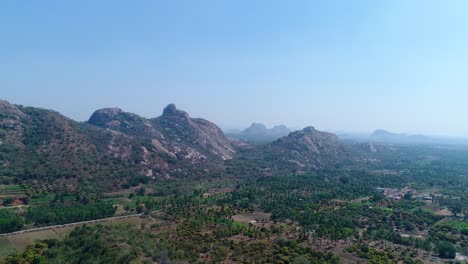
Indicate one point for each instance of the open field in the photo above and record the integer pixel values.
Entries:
(11, 188)
(9, 244)
(6, 247)
(21, 241)
(444, 212)
(251, 218)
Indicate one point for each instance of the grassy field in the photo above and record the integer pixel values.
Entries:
(48, 198)
(41, 199)
(11, 190)
(6, 247)
(253, 217)
(459, 225)
(21, 241)
(11, 244)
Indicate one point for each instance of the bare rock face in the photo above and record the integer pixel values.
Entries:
(127, 123)
(104, 116)
(174, 133)
(9, 109)
(165, 143)
(11, 123)
(200, 134)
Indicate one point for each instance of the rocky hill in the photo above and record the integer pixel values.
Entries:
(299, 152)
(42, 146)
(115, 147)
(310, 148)
(174, 133)
(197, 136)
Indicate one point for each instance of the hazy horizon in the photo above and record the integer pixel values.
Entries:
(335, 65)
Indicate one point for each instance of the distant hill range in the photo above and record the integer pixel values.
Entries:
(114, 147)
(259, 133)
(386, 137)
(381, 135)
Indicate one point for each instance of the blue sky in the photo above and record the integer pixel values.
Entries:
(336, 65)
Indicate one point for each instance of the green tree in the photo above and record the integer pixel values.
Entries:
(446, 250)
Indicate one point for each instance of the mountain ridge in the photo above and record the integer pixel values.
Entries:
(38, 143)
(113, 146)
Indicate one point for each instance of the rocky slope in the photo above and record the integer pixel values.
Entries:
(174, 133)
(38, 144)
(195, 136)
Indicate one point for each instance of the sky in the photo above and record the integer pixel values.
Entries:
(336, 65)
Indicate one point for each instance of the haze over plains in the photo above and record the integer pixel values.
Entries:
(336, 65)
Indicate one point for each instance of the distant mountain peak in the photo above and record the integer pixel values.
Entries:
(258, 132)
(382, 135)
(257, 125)
(280, 127)
(256, 129)
(309, 135)
(379, 132)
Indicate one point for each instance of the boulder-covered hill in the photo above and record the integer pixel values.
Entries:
(310, 148)
(47, 149)
(299, 152)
